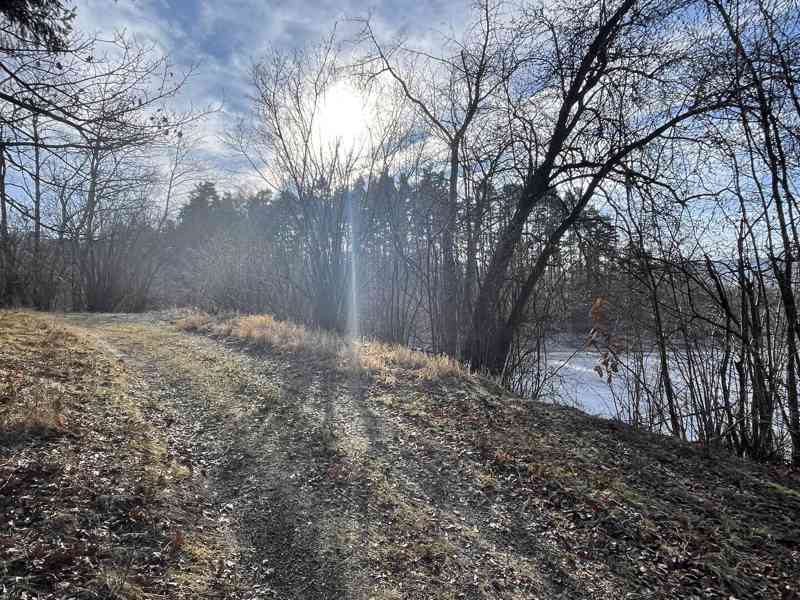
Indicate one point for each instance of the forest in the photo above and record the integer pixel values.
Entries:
(614, 176)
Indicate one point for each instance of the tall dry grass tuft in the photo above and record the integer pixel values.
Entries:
(372, 357)
(38, 412)
(264, 330)
(377, 356)
(194, 322)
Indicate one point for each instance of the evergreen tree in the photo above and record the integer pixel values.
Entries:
(195, 220)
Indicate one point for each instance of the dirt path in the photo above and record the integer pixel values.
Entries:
(337, 486)
(256, 429)
(331, 496)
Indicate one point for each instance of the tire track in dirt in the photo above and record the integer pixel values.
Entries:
(339, 481)
(332, 491)
(267, 437)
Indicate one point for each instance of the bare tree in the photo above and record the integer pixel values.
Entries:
(613, 82)
(81, 113)
(450, 92)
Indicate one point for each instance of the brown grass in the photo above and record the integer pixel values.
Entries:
(194, 322)
(60, 393)
(39, 412)
(378, 356)
(35, 375)
(385, 361)
(264, 330)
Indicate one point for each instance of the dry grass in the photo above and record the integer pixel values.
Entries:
(418, 487)
(33, 400)
(38, 412)
(378, 356)
(384, 361)
(283, 335)
(194, 322)
(61, 394)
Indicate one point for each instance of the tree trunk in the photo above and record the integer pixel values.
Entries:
(92, 295)
(489, 338)
(7, 267)
(37, 221)
(661, 341)
(791, 393)
(450, 277)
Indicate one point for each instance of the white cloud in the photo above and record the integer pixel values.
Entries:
(221, 39)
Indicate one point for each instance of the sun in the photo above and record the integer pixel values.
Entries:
(343, 118)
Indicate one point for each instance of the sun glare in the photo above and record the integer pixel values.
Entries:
(343, 117)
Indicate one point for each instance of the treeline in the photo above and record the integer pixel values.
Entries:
(254, 253)
(624, 172)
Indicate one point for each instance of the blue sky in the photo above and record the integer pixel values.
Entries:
(223, 38)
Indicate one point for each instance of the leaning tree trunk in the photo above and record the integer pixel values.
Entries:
(489, 339)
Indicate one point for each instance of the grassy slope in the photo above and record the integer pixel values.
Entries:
(366, 472)
(635, 514)
(92, 503)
